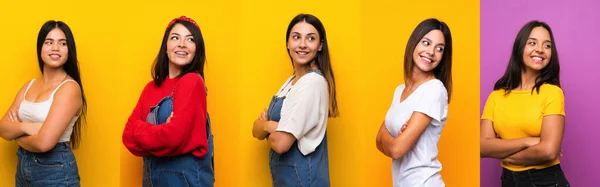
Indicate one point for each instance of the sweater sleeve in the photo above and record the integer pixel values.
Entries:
(134, 121)
(189, 118)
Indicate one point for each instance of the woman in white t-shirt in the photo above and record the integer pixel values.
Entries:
(415, 120)
(296, 120)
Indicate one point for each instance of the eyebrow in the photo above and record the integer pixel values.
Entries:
(432, 41)
(306, 34)
(180, 35)
(54, 39)
(537, 39)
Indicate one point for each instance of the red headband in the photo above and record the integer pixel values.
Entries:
(183, 18)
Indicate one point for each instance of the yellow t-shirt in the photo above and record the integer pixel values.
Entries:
(519, 114)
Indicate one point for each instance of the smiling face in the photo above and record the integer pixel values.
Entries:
(429, 51)
(181, 46)
(538, 49)
(54, 51)
(304, 43)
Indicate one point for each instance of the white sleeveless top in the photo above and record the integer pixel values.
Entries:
(33, 112)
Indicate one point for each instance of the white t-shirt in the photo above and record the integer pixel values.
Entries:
(305, 110)
(419, 166)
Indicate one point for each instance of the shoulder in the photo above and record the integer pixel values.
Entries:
(313, 80)
(551, 90)
(191, 80)
(69, 88)
(399, 88)
(434, 87)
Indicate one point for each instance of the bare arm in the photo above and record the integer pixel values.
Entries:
(397, 147)
(67, 104)
(10, 129)
(280, 142)
(258, 130)
(493, 147)
(553, 127)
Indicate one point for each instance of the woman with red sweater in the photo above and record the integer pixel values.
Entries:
(169, 126)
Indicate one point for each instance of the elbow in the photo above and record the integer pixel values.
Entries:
(550, 154)
(396, 153)
(279, 147)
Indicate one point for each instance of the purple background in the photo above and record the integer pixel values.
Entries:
(576, 28)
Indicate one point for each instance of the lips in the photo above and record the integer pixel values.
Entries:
(181, 53)
(426, 59)
(54, 56)
(537, 59)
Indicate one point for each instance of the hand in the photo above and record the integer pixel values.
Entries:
(531, 141)
(263, 115)
(13, 116)
(31, 128)
(270, 126)
(402, 129)
(169, 119)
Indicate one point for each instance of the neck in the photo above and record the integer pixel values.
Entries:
(528, 79)
(174, 70)
(301, 70)
(54, 74)
(418, 77)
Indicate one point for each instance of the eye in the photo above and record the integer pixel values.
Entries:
(311, 38)
(48, 43)
(425, 42)
(439, 49)
(531, 43)
(190, 39)
(548, 46)
(295, 37)
(63, 43)
(174, 37)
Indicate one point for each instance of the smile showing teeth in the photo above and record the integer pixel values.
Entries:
(181, 53)
(302, 52)
(427, 59)
(55, 56)
(537, 58)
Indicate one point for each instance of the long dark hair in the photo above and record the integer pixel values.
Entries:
(512, 76)
(443, 71)
(160, 68)
(322, 59)
(71, 67)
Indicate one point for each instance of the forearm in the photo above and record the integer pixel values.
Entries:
(534, 155)
(10, 130)
(258, 130)
(500, 148)
(35, 144)
(391, 148)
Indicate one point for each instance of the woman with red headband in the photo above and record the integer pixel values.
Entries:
(170, 126)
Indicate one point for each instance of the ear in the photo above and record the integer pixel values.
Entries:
(321, 45)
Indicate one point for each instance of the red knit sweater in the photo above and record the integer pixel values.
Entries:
(185, 133)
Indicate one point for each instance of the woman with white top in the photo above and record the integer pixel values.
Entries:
(414, 122)
(44, 118)
(296, 119)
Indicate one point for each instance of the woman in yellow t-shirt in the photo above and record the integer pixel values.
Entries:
(524, 117)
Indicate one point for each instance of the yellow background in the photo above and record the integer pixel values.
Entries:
(247, 63)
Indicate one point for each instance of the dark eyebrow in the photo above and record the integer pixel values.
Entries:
(537, 39)
(60, 40)
(306, 34)
(429, 40)
(180, 35)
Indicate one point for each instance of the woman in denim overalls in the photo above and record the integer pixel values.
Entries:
(170, 126)
(46, 123)
(296, 120)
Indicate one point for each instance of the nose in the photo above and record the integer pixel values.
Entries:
(55, 46)
(539, 48)
(302, 44)
(430, 50)
(181, 43)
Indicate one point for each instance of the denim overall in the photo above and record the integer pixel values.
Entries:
(177, 171)
(292, 168)
(56, 167)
